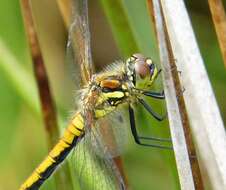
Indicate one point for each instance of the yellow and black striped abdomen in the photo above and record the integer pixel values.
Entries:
(59, 152)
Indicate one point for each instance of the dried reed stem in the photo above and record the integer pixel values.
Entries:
(62, 179)
(219, 20)
(204, 116)
(183, 113)
(176, 111)
(47, 105)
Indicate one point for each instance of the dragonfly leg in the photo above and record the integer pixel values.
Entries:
(159, 71)
(156, 139)
(157, 95)
(161, 95)
(137, 137)
(149, 109)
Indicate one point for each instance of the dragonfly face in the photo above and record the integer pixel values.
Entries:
(141, 70)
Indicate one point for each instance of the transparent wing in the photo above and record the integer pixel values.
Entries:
(93, 158)
(112, 131)
(78, 46)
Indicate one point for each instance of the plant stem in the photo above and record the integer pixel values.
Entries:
(183, 113)
(63, 180)
(204, 116)
(176, 111)
(219, 20)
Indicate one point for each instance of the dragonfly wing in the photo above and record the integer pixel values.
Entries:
(94, 164)
(112, 131)
(78, 46)
(94, 172)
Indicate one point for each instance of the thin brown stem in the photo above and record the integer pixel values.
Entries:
(183, 113)
(63, 179)
(206, 124)
(219, 20)
(47, 105)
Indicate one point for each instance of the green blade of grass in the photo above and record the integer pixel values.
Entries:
(22, 81)
(120, 26)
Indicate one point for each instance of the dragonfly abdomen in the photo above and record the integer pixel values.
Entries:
(59, 152)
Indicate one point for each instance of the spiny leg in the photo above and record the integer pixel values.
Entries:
(156, 139)
(132, 121)
(159, 71)
(155, 115)
(149, 109)
(137, 137)
(157, 95)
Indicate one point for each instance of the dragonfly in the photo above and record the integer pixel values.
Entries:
(121, 84)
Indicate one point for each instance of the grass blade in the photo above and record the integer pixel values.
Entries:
(20, 78)
(120, 26)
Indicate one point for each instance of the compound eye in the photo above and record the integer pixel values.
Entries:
(142, 68)
(145, 67)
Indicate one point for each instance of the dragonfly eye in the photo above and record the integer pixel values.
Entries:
(144, 67)
(141, 68)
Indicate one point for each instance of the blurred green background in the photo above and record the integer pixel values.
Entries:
(22, 136)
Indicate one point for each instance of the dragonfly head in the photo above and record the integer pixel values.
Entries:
(141, 70)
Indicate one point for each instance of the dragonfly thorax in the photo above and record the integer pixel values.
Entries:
(113, 91)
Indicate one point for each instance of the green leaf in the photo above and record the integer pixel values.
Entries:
(120, 26)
